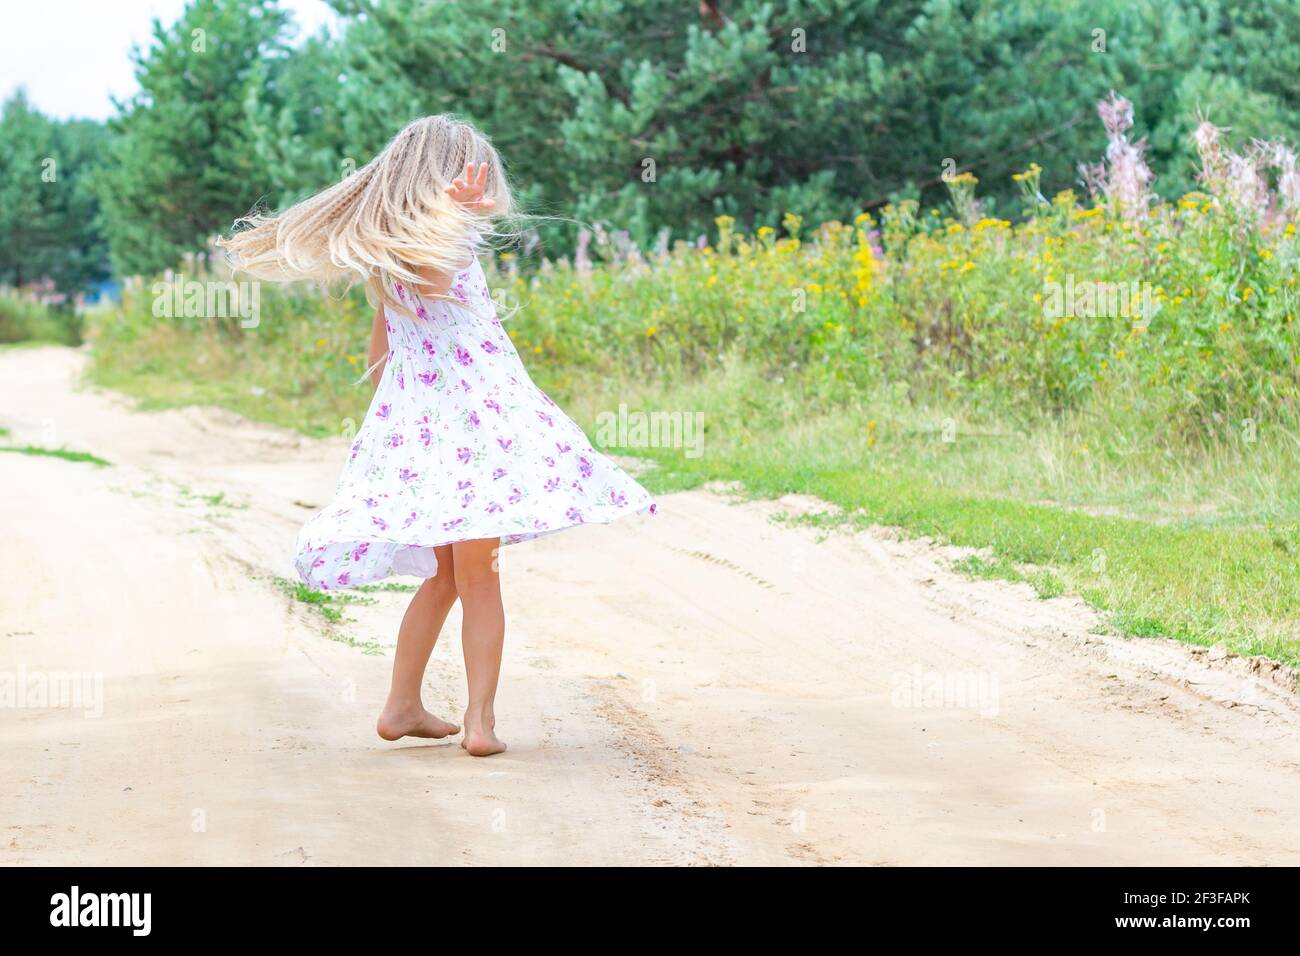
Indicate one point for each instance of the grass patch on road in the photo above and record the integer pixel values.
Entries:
(328, 604)
(63, 453)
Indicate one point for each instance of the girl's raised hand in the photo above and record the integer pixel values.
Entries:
(468, 188)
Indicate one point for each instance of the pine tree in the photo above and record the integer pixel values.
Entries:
(182, 165)
(48, 214)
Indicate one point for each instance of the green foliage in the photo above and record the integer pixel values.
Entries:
(956, 315)
(180, 167)
(23, 319)
(649, 116)
(301, 366)
(47, 210)
(752, 108)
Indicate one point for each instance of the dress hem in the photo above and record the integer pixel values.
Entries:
(506, 537)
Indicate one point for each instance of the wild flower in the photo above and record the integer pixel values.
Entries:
(961, 188)
(1123, 177)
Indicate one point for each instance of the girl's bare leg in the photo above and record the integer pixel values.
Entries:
(404, 714)
(482, 637)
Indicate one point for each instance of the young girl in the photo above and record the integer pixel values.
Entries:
(460, 451)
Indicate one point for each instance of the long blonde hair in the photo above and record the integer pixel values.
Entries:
(387, 220)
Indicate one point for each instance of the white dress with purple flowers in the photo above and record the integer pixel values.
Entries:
(458, 444)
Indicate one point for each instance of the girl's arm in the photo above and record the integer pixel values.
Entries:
(378, 345)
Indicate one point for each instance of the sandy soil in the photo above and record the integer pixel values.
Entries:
(703, 687)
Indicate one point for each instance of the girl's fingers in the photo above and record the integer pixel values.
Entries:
(469, 189)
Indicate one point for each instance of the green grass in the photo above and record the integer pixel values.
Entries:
(328, 604)
(217, 500)
(56, 453)
(1045, 584)
(239, 391)
(25, 322)
(369, 648)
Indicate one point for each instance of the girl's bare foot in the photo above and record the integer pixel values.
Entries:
(480, 737)
(398, 721)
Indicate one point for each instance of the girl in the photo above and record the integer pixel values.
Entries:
(459, 451)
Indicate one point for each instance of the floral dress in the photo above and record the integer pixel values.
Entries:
(458, 444)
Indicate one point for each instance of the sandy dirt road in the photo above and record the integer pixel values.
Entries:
(703, 687)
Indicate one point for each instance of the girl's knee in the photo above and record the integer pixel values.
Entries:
(477, 583)
(442, 586)
(475, 568)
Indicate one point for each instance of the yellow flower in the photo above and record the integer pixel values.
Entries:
(1033, 170)
(651, 330)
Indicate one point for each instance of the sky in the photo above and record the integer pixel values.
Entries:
(72, 56)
